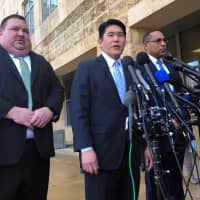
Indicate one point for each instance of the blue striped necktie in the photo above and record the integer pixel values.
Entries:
(160, 64)
(119, 80)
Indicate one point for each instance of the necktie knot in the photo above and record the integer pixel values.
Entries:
(116, 64)
(23, 64)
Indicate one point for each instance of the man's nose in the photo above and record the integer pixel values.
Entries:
(116, 37)
(20, 32)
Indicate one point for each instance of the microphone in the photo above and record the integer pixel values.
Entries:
(127, 61)
(143, 59)
(163, 78)
(130, 99)
(175, 80)
(142, 81)
(146, 87)
(169, 56)
(181, 66)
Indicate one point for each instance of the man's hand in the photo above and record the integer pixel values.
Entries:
(89, 162)
(21, 116)
(148, 159)
(41, 117)
(176, 124)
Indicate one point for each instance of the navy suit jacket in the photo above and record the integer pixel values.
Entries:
(97, 114)
(46, 91)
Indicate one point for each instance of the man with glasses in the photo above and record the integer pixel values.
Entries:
(155, 45)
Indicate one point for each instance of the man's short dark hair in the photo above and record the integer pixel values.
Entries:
(4, 21)
(110, 22)
(147, 36)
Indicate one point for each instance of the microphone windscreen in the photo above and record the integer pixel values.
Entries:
(142, 58)
(161, 76)
(169, 56)
(127, 60)
(187, 97)
(130, 98)
(175, 80)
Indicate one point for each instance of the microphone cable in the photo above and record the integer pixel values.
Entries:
(131, 171)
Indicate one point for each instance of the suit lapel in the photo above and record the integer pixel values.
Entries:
(34, 67)
(108, 76)
(9, 64)
(152, 68)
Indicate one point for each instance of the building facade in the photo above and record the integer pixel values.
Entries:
(65, 31)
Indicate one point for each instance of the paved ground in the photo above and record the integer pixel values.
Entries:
(66, 183)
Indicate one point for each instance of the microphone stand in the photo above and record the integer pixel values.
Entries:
(184, 125)
(128, 102)
(152, 141)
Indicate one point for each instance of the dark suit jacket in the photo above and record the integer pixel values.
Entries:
(97, 114)
(46, 91)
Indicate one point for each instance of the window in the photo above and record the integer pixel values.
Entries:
(29, 15)
(48, 6)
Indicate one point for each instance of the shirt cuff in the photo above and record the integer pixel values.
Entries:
(86, 149)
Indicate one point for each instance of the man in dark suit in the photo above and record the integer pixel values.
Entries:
(98, 119)
(30, 99)
(155, 45)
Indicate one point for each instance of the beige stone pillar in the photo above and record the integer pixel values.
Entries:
(134, 41)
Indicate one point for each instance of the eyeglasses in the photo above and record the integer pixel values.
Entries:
(159, 40)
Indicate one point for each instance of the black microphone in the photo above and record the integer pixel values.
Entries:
(143, 59)
(169, 56)
(129, 100)
(127, 61)
(163, 78)
(142, 81)
(146, 87)
(181, 66)
(175, 80)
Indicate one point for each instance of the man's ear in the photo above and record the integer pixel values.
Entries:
(145, 45)
(100, 41)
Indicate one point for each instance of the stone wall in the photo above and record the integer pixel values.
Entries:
(77, 32)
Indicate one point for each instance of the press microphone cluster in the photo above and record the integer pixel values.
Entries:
(158, 112)
(182, 66)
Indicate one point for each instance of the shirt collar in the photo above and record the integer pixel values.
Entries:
(154, 60)
(109, 60)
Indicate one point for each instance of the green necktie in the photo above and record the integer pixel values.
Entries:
(26, 77)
